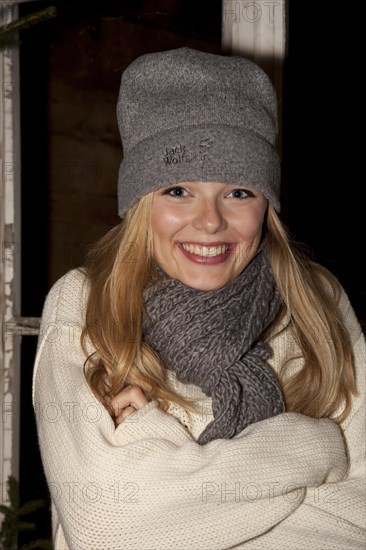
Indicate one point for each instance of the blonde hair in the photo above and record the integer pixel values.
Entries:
(311, 293)
(120, 265)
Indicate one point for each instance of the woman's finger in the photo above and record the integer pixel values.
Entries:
(131, 396)
(125, 412)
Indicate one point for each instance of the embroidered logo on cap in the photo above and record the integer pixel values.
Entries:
(179, 153)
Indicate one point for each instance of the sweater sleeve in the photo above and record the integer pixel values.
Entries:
(148, 484)
(333, 515)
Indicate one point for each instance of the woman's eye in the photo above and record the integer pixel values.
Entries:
(241, 193)
(175, 192)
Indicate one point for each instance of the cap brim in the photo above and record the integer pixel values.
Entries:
(215, 153)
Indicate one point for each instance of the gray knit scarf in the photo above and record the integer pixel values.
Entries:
(212, 339)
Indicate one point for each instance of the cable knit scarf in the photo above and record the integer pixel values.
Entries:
(212, 339)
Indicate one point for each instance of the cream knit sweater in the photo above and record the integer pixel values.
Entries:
(286, 483)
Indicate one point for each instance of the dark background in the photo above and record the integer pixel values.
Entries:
(77, 60)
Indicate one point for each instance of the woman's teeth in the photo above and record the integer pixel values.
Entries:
(205, 251)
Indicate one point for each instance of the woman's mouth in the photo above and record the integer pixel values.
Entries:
(207, 253)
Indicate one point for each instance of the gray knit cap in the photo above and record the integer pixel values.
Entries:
(187, 115)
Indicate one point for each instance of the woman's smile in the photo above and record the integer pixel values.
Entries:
(207, 253)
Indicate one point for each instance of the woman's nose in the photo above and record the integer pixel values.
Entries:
(208, 216)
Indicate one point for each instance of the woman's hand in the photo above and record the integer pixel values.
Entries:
(130, 400)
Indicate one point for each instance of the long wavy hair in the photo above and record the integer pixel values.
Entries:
(120, 265)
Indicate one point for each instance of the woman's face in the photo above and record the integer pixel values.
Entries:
(206, 233)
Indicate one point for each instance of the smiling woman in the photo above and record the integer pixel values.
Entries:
(217, 355)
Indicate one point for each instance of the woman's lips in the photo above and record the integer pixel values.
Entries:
(207, 253)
